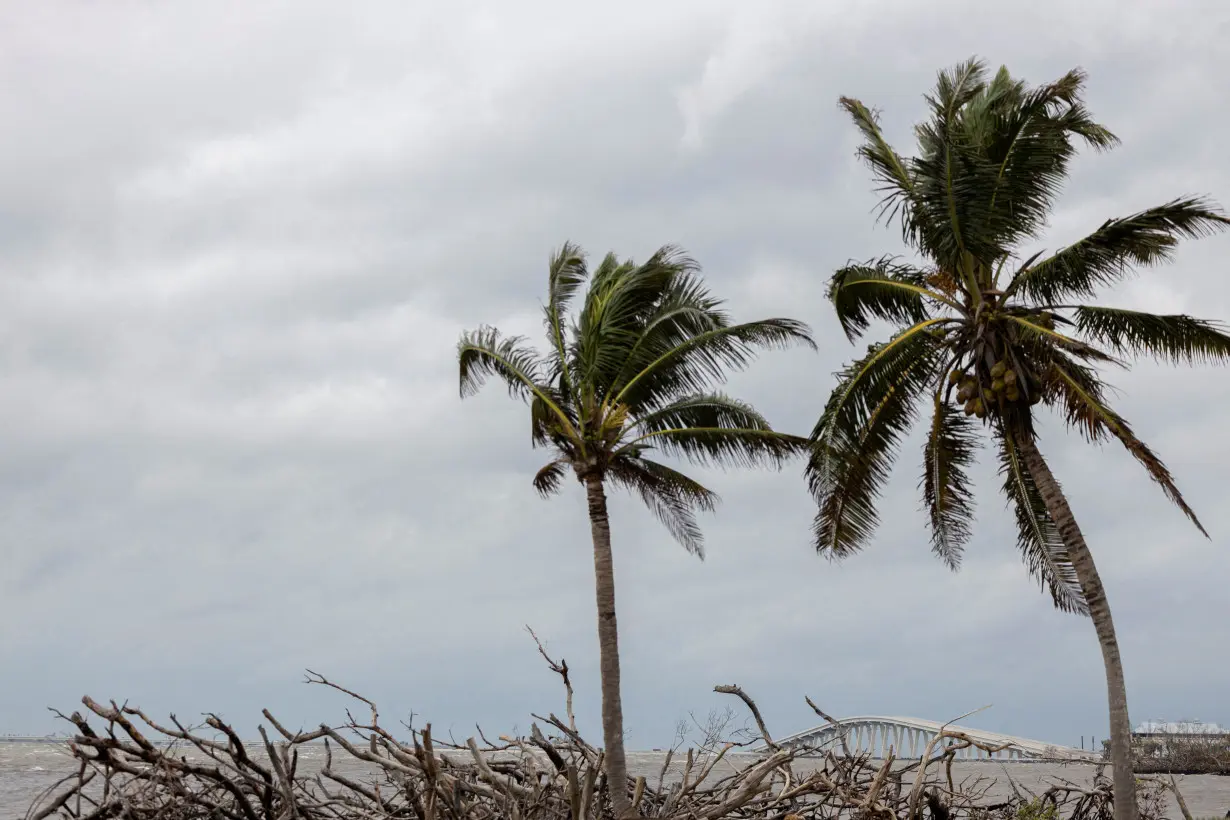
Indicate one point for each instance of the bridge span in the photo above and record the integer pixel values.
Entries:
(908, 738)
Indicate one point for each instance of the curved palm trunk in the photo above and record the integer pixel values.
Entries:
(1099, 612)
(608, 647)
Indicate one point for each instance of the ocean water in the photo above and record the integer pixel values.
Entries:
(26, 769)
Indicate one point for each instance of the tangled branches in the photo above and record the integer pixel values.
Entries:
(136, 768)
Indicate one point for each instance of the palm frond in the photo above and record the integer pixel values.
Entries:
(702, 410)
(864, 382)
(947, 454)
(486, 352)
(1040, 339)
(945, 191)
(695, 364)
(617, 306)
(1038, 538)
(1025, 146)
(893, 174)
(673, 497)
(1087, 410)
(545, 421)
(1109, 253)
(686, 310)
(726, 446)
(957, 86)
(1176, 338)
(547, 481)
(880, 289)
(566, 272)
(857, 436)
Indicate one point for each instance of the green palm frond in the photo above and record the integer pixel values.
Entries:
(893, 174)
(548, 480)
(726, 446)
(880, 289)
(862, 384)
(1109, 253)
(1038, 538)
(685, 311)
(846, 478)
(1175, 338)
(545, 420)
(486, 352)
(1040, 339)
(1080, 393)
(948, 452)
(1023, 137)
(857, 437)
(1086, 409)
(566, 273)
(617, 306)
(673, 497)
(944, 190)
(702, 410)
(992, 159)
(955, 87)
(697, 363)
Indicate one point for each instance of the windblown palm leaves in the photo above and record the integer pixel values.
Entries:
(984, 336)
(633, 374)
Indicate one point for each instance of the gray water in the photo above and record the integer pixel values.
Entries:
(26, 769)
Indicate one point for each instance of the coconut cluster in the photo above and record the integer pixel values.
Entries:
(1000, 385)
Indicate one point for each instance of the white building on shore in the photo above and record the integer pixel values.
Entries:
(1180, 728)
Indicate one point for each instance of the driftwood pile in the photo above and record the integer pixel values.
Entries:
(133, 767)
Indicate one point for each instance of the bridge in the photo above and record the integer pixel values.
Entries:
(908, 738)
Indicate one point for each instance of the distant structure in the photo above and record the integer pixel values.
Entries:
(908, 738)
(1159, 738)
(1179, 728)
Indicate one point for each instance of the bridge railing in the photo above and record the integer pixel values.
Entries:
(908, 738)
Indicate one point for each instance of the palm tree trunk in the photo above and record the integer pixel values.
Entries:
(608, 647)
(1099, 611)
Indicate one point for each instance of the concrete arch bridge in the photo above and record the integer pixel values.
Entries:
(908, 738)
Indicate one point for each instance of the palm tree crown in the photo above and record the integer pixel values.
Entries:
(985, 334)
(632, 373)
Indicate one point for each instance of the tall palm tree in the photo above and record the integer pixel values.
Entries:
(632, 374)
(986, 334)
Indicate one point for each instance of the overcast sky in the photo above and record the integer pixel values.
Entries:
(238, 243)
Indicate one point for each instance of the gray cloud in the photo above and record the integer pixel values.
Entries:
(238, 248)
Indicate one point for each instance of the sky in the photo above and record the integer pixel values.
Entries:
(238, 244)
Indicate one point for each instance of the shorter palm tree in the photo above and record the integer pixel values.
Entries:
(631, 375)
(985, 336)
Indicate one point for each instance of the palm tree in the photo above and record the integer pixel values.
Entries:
(985, 334)
(633, 374)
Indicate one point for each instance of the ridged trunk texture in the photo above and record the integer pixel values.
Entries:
(608, 648)
(1099, 611)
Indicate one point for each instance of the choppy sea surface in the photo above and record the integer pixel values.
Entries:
(26, 769)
